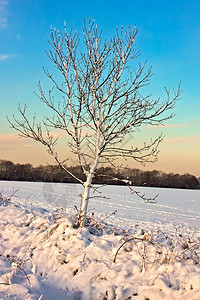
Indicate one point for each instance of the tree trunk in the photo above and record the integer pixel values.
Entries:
(85, 199)
(88, 183)
(86, 194)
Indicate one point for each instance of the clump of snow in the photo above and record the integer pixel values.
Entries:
(43, 256)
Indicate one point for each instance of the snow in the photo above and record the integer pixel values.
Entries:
(42, 255)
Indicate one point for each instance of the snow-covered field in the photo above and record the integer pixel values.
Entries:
(42, 255)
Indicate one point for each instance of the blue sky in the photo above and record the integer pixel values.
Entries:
(168, 38)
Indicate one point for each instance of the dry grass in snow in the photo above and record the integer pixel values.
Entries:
(43, 256)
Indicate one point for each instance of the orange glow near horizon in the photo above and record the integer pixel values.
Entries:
(176, 154)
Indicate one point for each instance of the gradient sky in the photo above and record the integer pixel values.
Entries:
(168, 38)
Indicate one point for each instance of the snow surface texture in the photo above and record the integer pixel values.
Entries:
(146, 252)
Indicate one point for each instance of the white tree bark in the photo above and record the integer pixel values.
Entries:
(88, 184)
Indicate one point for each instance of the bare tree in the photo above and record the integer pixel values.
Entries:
(101, 103)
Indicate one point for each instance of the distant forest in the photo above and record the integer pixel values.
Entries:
(104, 175)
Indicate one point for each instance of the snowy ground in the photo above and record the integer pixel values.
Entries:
(42, 255)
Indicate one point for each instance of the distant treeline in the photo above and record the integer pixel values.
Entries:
(104, 175)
